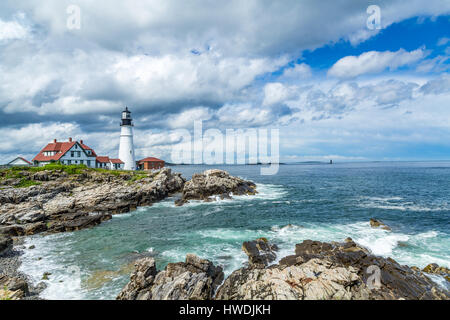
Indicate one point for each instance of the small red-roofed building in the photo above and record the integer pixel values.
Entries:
(103, 162)
(116, 164)
(150, 163)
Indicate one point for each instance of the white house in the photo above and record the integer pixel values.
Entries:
(19, 161)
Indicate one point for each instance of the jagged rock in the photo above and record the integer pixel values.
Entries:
(260, 252)
(81, 222)
(13, 287)
(215, 182)
(33, 228)
(6, 244)
(194, 279)
(12, 230)
(180, 202)
(374, 223)
(140, 281)
(334, 270)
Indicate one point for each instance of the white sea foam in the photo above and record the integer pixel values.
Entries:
(265, 192)
(64, 281)
(440, 281)
(378, 241)
(398, 203)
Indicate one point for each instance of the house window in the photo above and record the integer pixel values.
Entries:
(81, 161)
(89, 163)
(72, 154)
(78, 154)
(69, 161)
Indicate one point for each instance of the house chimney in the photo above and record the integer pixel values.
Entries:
(54, 140)
(81, 141)
(70, 139)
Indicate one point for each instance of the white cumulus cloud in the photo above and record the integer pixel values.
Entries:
(374, 62)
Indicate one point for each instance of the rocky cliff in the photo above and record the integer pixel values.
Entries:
(316, 271)
(58, 201)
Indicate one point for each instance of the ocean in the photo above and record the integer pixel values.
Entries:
(305, 201)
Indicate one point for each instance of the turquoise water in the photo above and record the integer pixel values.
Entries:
(322, 202)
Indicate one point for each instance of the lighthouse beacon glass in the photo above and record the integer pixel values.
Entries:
(126, 149)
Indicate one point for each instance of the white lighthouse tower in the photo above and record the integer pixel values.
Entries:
(126, 149)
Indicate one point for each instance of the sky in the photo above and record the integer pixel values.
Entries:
(335, 88)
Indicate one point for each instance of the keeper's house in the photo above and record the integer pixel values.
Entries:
(74, 152)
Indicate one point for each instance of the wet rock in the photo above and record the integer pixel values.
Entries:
(194, 279)
(6, 244)
(215, 182)
(81, 222)
(46, 275)
(434, 268)
(374, 223)
(180, 202)
(260, 252)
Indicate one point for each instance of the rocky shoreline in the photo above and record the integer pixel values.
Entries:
(72, 198)
(61, 201)
(15, 284)
(317, 271)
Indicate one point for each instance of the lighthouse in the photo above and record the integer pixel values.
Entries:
(126, 149)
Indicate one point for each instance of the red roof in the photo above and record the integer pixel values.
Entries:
(102, 159)
(85, 147)
(61, 149)
(150, 159)
(117, 161)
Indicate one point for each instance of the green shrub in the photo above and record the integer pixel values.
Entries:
(25, 183)
(138, 176)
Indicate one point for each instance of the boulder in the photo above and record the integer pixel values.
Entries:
(6, 244)
(260, 252)
(194, 279)
(374, 223)
(215, 182)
